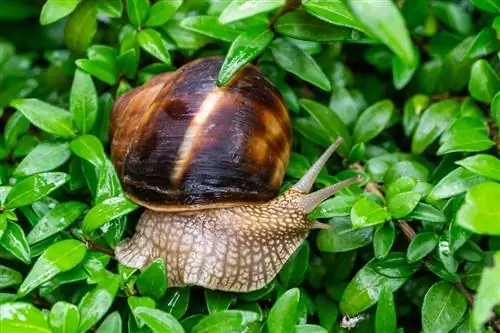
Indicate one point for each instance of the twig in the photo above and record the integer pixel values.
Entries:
(289, 6)
(407, 230)
(91, 245)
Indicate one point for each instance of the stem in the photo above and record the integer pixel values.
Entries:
(289, 6)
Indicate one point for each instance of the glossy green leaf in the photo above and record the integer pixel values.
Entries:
(96, 303)
(14, 241)
(296, 61)
(484, 82)
(218, 300)
(338, 206)
(22, 317)
(332, 11)
(153, 43)
(488, 295)
(466, 134)
(106, 211)
(433, 123)
(112, 324)
(137, 11)
(81, 27)
(385, 317)
(9, 277)
(112, 8)
(225, 321)
(209, 26)
(57, 219)
(443, 308)
(383, 19)
(244, 49)
(34, 188)
(303, 26)
(64, 318)
(483, 165)
(153, 280)
(366, 213)
(423, 244)
(489, 5)
(83, 101)
(343, 237)
(100, 69)
(309, 328)
(373, 121)
(240, 9)
(48, 118)
(330, 123)
(454, 16)
(158, 321)
(89, 148)
(403, 72)
(59, 257)
(175, 301)
(383, 239)
(365, 288)
(456, 182)
(478, 212)
(54, 10)
(283, 315)
(484, 43)
(294, 270)
(162, 11)
(45, 157)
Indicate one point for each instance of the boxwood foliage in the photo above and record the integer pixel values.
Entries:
(411, 85)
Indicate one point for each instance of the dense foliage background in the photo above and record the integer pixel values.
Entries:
(411, 85)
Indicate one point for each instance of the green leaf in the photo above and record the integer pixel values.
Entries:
(403, 204)
(137, 11)
(57, 219)
(402, 72)
(488, 294)
(100, 69)
(225, 321)
(158, 321)
(373, 121)
(365, 288)
(454, 16)
(483, 165)
(243, 50)
(492, 6)
(296, 61)
(209, 26)
(162, 11)
(327, 311)
(16, 126)
(466, 134)
(303, 26)
(343, 237)
(81, 27)
(58, 258)
(34, 188)
(443, 308)
(366, 213)
(294, 270)
(112, 324)
(83, 101)
(479, 213)
(54, 10)
(153, 280)
(106, 211)
(332, 11)
(153, 43)
(330, 123)
(413, 109)
(96, 303)
(337, 206)
(48, 118)
(64, 318)
(22, 317)
(308, 328)
(45, 157)
(385, 317)
(383, 239)
(433, 123)
(112, 8)
(218, 300)
(240, 9)
(175, 301)
(484, 43)
(484, 82)
(456, 182)
(90, 149)
(14, 241)
(383, 19)
(283, 315)
(421, 246)
(9, 277)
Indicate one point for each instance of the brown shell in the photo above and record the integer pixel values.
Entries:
(181, 143)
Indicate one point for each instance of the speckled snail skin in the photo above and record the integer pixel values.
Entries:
(208, 163)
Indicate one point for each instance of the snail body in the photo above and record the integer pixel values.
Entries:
(207, 162)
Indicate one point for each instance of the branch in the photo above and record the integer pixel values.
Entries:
(289, 6)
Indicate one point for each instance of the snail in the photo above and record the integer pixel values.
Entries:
(207, 163)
